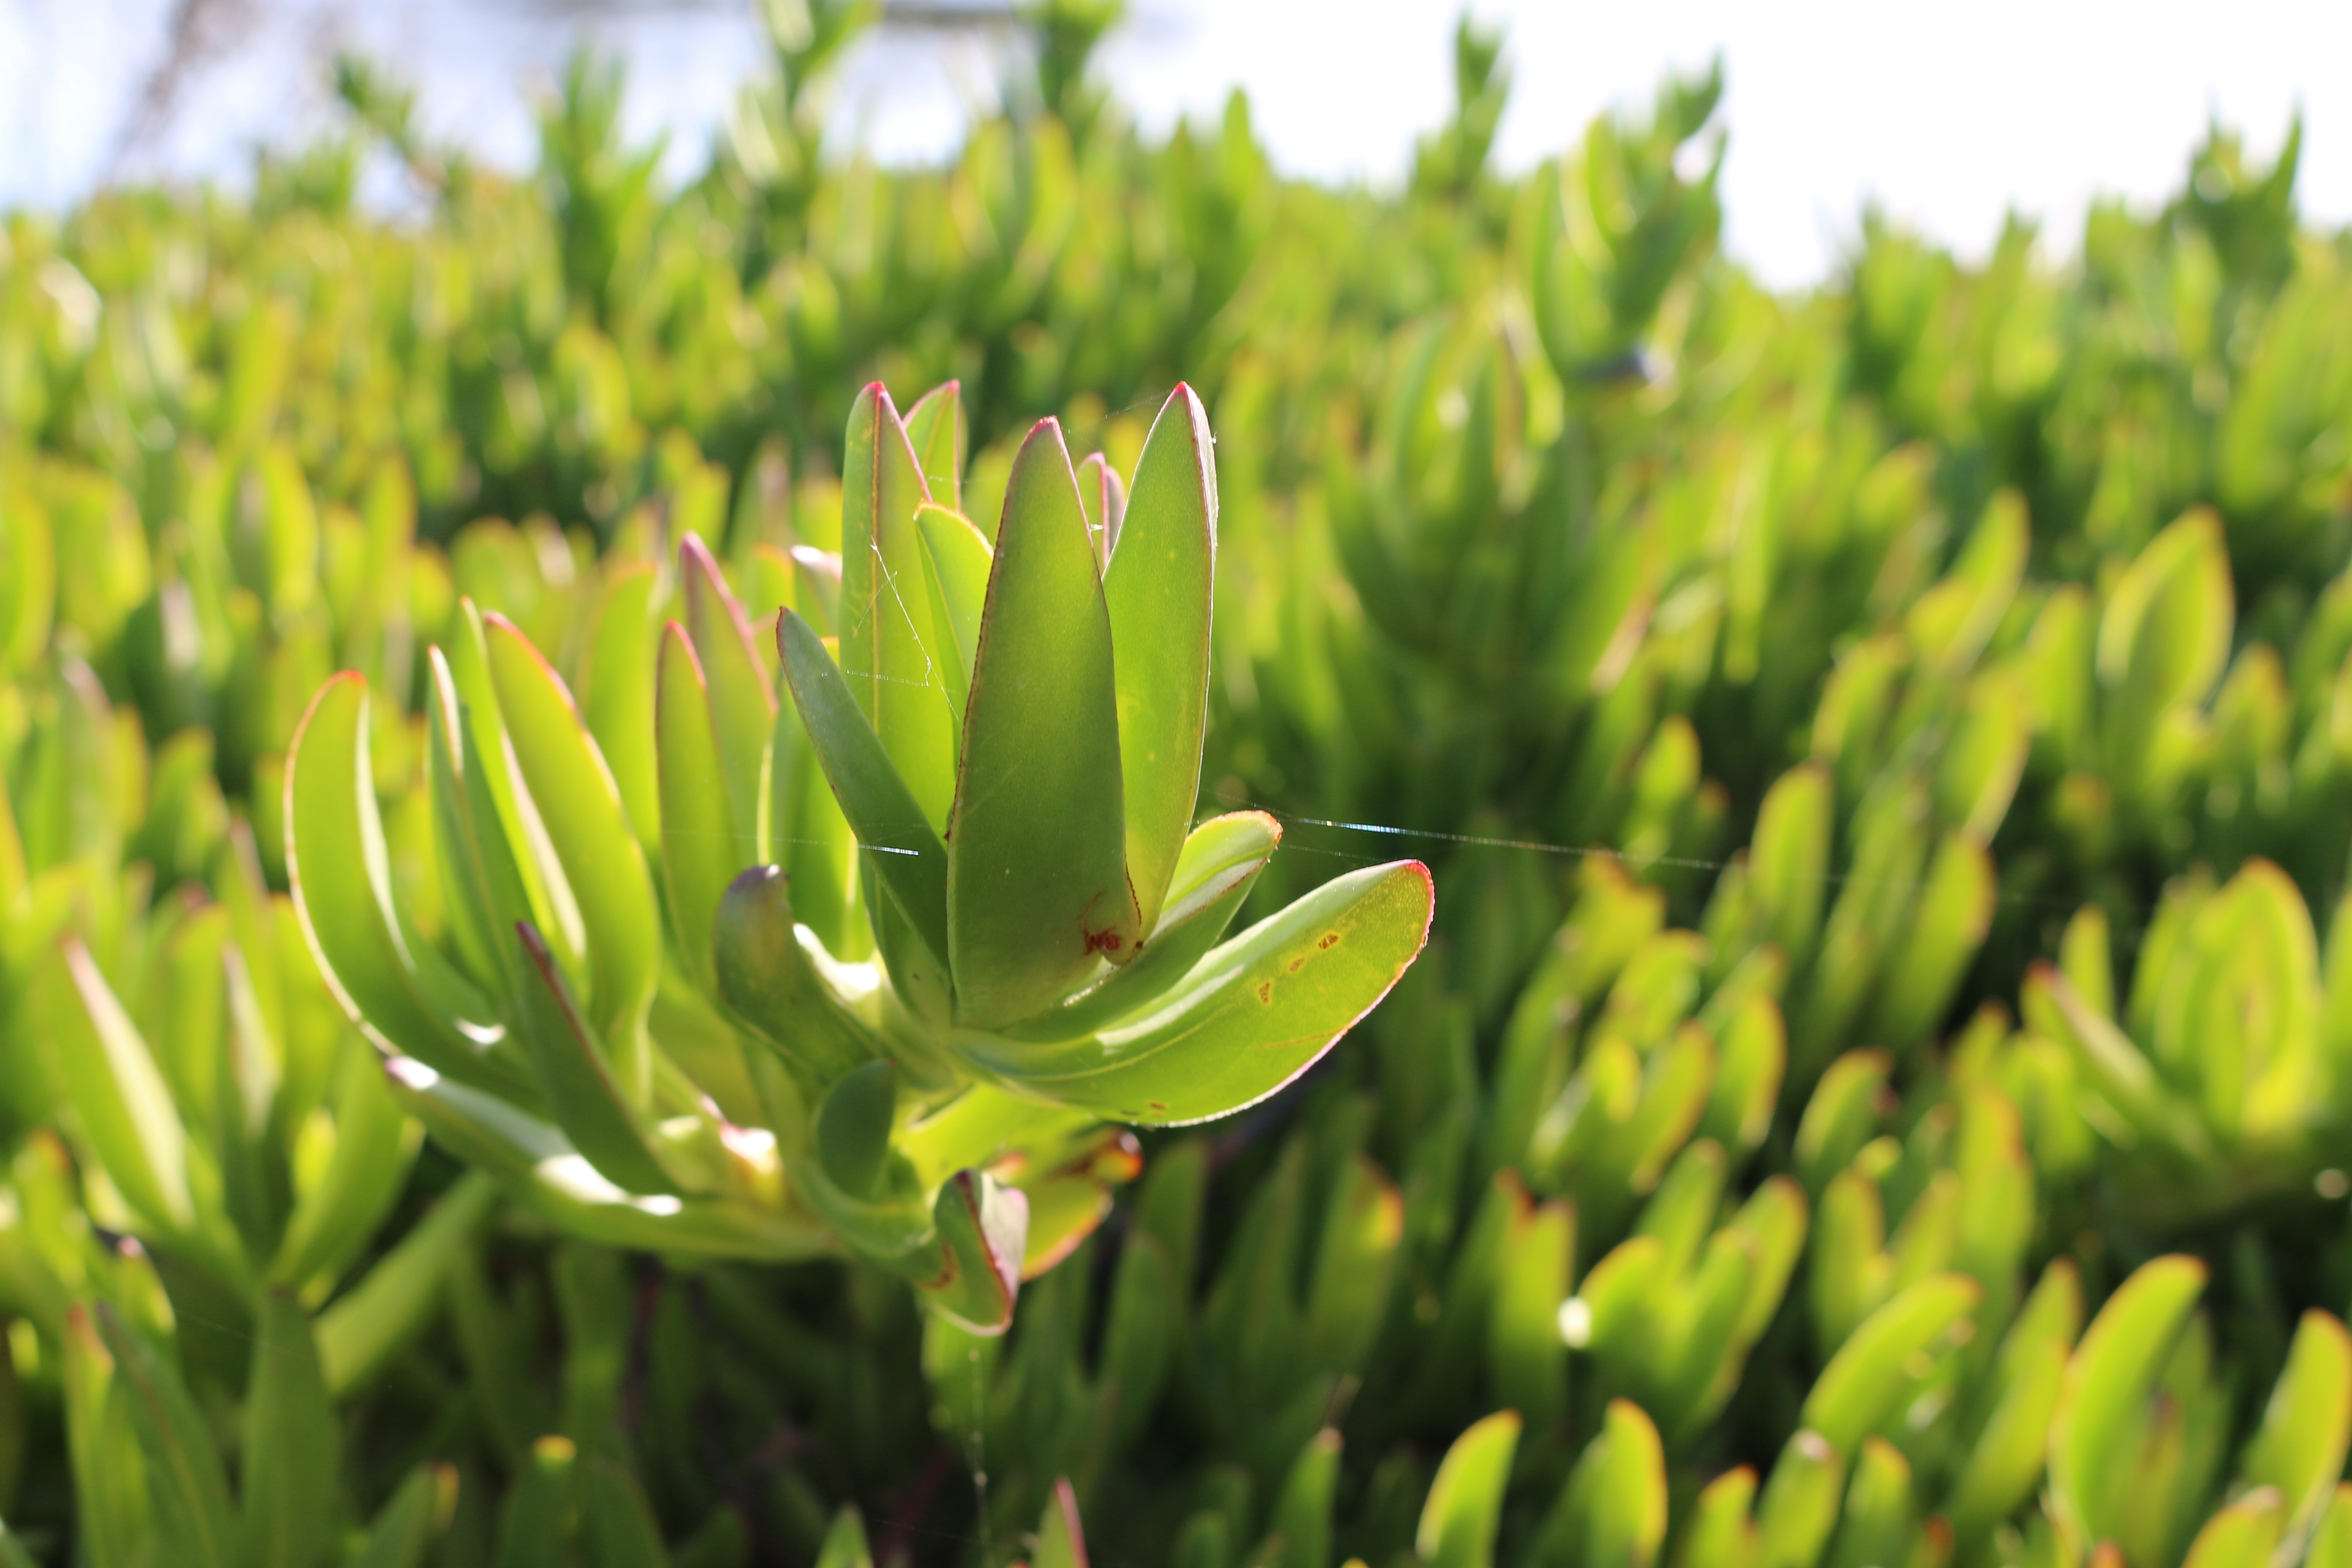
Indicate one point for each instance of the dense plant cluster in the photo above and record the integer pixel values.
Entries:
(609, 946)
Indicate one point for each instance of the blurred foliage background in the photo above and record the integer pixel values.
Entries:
(1880, 1090)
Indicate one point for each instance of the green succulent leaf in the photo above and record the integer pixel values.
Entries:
(1157, 586)
(340, 869)
(589, 828)
(1464, 1510)
(700, 830)
(1222, 860)
(907, 859)
(984, 1226)
(887, 636)
(741, 695)
(409, 1524)
(1251, 1015)
(1858, 1391)
(290, 1465)
(769, 980)
(616, 691)
(359, 1334)
(186, 1481)
(375, 1145)
(590, 1107)
(1038, 882)
(2100, 1408)
(124, 1106)
(2299, 1449)
(936, 432)
(957, 558)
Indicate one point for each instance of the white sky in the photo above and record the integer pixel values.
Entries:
(1946, 115)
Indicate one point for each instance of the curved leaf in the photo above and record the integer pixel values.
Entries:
(119, 1096)
(590, 831)
(340, 871)
(2101, 1407)
(588, 1104)
(985, 1227)
(770, 983)
(1220, 865)
(1464, 1510)
(1251, 1015)
(1857, 1391)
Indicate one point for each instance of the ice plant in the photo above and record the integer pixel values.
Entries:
(908, 918)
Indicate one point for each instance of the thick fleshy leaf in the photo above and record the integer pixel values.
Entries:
(844, 1545)
(1864, 1383)
(956, 560)
(577, 1080)
(617, 1519)
(590, 831)
(553, 908)
(120, 1098)
(1037, 886)
(984, 1226)
(2101, 1408)
(1789, 861)
(1612, 1512)
(1061, 1540)
(935, 429)
(616, 691)
(809, 839)
(184, 1476)
(1157, 586)
(290, 1467)
(482, 885)
(2300, 1447)
(368, 1325)
(907, 859)
(1251, 1015)
(341, 871)
(1800, 1505)
(1464, 1510)
(887, 636)
(1104, 495)
(375, 1145)
(2243, 1536)
(2007, 1460)
(1220, 862)
(853, 1127)
(700, 828)
(408, 1525)
(770, 981)
(550, 1175)
(743, 694)
(1300, 1531)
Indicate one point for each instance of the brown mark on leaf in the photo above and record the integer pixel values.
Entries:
(1105, 941)
(1265, 992)
(1298, 963)
(1329, 939)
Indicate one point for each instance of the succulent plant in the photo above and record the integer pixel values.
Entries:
(932, 909)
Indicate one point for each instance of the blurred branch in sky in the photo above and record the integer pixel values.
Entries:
(196, 32)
